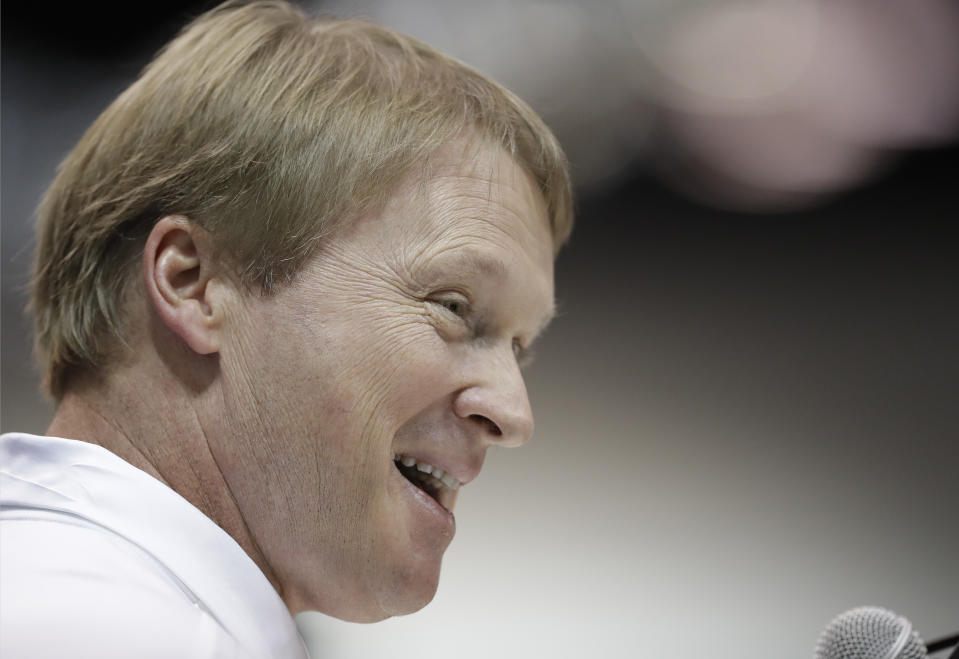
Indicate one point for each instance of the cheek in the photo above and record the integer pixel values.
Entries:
(337, 384)
(391, 370)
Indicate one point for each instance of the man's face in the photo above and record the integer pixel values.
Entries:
(395, 351)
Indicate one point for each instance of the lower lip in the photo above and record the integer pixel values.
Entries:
(429, 505)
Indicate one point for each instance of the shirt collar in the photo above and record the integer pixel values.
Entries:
(90, 481)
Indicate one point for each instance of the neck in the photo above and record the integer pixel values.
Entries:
(158, 429)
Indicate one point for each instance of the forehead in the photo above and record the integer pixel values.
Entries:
(470, 202)
(472, 198)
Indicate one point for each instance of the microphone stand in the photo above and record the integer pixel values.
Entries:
(944, 644)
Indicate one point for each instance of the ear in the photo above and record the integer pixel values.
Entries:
(177, 272)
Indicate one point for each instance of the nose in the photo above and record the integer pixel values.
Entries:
(496, 401)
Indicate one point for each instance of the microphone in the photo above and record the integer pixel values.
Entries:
(871, 632)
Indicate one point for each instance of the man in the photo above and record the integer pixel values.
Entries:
(283, 288)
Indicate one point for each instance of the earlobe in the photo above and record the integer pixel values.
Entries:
(177, 274)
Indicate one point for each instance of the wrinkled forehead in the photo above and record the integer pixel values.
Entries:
(465, 196)
(474, 185)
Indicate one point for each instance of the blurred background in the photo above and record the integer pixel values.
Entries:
(748, 410)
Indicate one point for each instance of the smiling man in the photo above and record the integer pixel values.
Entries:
(284, 286)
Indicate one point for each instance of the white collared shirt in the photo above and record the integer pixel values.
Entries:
(99, 559)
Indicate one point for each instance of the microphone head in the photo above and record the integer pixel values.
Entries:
(869, 632)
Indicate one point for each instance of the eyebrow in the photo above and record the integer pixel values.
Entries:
(489, 266)
(493, 267)
(550, 315)
(481, 264)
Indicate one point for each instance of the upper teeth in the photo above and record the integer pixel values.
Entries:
(437, 473)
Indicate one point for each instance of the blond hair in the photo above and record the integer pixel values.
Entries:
(266, 127)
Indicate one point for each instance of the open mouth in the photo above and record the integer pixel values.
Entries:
(442, 487)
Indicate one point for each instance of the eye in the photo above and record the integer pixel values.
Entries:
(454, 304)
(524, 355)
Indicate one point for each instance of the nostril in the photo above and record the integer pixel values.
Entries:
(490, 425)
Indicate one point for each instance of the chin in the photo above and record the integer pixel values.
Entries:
(394, 604)
(411, 592)
(405, 591)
